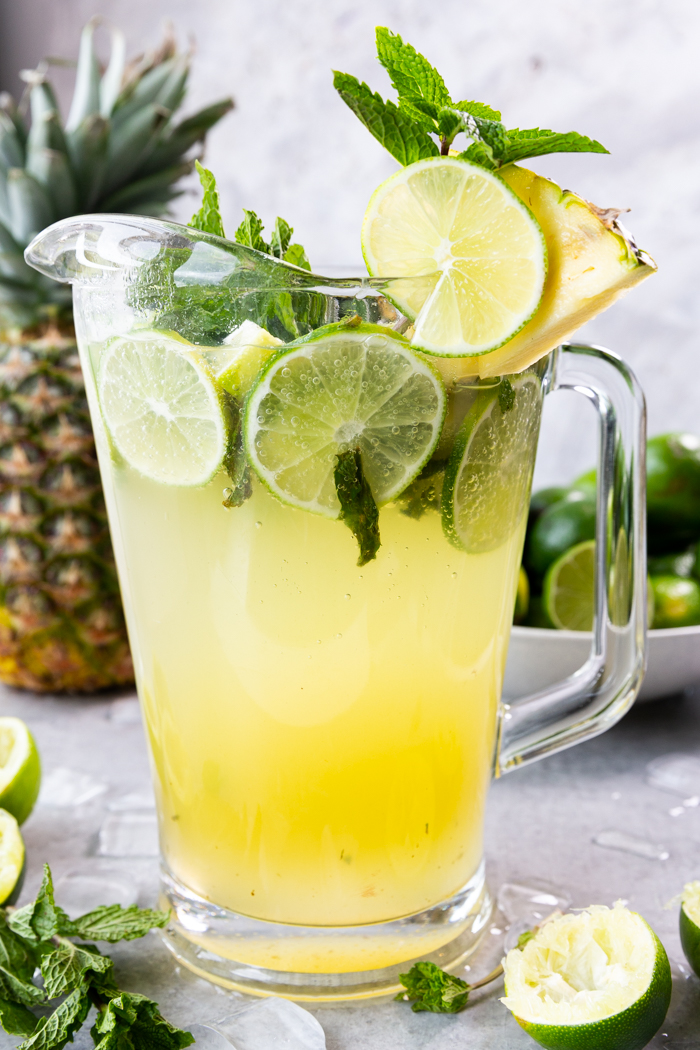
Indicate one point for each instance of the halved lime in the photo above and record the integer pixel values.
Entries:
(596, 980)
(489, 473)
(475, 251)
(162, 408)
(240, 357)
(11, 858)
(339, 388)
(20, 769)
(689, 923)
(569, 587)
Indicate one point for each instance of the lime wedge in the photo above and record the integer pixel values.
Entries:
(488, 476)
(240, 357)
(690, 924)
(339, 388)
(568, 589)
(20, 769)
(162, 408)
(479, 251)
(597, 980)
(11, 858)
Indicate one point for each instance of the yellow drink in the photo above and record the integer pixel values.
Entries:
(322, 734)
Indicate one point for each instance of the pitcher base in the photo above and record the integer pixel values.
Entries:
(320, 963)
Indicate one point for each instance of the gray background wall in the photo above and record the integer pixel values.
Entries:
(626, 72)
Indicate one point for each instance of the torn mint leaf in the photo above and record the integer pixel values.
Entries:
(357, 507)
(430, 988)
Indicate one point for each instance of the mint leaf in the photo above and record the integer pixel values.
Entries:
(249, 233)
(357, 507)
(411, 74)
(534, 142)
(42, 919)
(432, 989)
(16, 1019)
(296, 256)
(281, 236)
(133, 1022)
(15, 954)
(235, 461)
(506, 394)
(65, 966)
(53, 1032)
(393, 127)
(526, 937)
(478, 109)
(113, 923)
(538, 142)
(208, 218)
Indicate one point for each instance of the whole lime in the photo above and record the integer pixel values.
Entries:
(542, 500)
(683, 564)
(587, 484)
(560, 527)
(676, 601)
(673, 490)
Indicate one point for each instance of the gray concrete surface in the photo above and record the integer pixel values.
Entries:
(541, 825)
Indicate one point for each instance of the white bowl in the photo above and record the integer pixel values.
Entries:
(537, 658)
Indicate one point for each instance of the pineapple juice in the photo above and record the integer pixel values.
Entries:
(322, 734)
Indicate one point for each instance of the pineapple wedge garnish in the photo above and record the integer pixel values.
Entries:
(592, 262)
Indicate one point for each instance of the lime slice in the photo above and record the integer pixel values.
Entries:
(162, 408)
(20, 769)
(240, 357)
(489, 473)
(11, 858)
(478, 249)
(597, 980)
(689, 924)
(569, 587)
(343, 387)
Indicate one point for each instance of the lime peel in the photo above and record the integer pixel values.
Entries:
(12, 857)
(596, 980)
(473, 254)
(689, 924)
(161, 408)
(346, 385)
(20, 769)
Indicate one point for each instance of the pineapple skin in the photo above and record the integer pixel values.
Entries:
(61, 623)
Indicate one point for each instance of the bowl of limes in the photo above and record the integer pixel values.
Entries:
(551, 636)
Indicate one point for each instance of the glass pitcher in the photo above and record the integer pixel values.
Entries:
(322, 734)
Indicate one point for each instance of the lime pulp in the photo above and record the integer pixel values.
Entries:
(20, 769)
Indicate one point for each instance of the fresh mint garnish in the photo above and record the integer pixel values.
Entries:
(208, 218)
(38, 936)
(506, 394)
(235, 461)
(426, 113)
(357, 507)
(250, 233)
(430, 988)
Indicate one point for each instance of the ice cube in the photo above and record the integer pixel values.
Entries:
(67, 787)
(626, 843)
(269, 1024)
(134, 800)
(131, 834)
(531, 899)
(676, 772)
(78, 893)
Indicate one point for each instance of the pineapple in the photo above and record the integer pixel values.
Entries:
(61, 622)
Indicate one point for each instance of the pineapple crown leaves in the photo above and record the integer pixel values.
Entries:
(425, 113)
(121, 149)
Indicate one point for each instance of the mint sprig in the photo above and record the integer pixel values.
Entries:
(357, 507)
(432, 989)
(208, 218)
(37, 937)
(426, 113)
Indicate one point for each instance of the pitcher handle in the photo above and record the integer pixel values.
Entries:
(599, 693)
